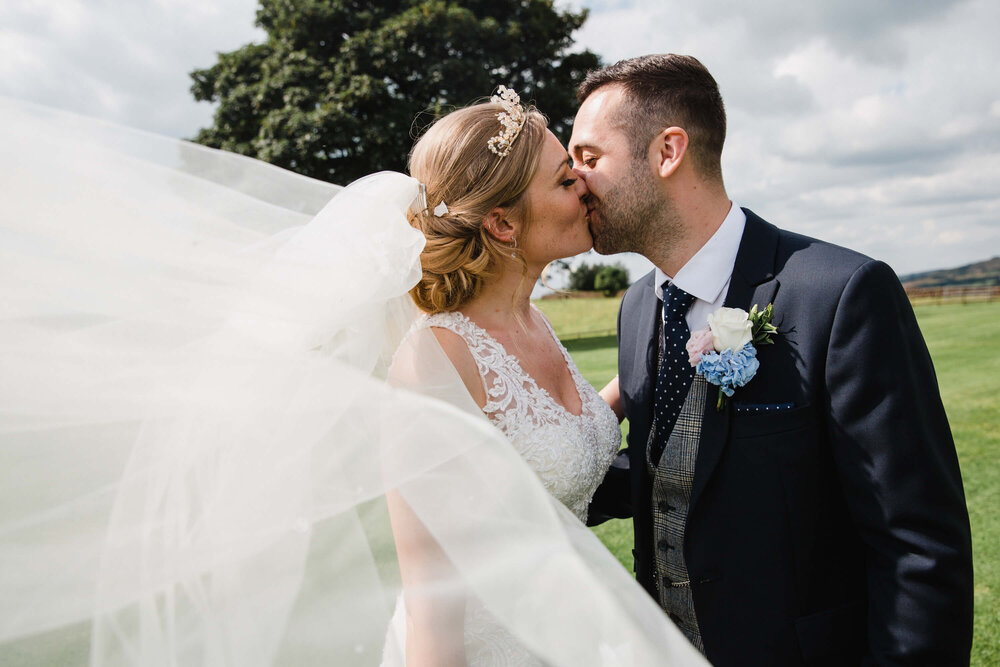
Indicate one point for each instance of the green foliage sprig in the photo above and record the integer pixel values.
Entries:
(761, 327)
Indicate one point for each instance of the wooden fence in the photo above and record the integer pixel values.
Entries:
(953, 294)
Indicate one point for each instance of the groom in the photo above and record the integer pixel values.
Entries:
(818, 518)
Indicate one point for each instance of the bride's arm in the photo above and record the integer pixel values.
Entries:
(612, 397)
(434, 597)
(435, 607)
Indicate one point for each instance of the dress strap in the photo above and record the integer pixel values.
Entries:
(484, 348)
(498, 370)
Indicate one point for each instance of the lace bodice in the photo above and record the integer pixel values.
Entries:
(570, 453)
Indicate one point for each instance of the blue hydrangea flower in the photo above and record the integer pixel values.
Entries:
(729, 369)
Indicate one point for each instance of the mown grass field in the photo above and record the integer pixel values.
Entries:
(964, 341)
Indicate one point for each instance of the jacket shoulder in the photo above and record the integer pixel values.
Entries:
(808, 260)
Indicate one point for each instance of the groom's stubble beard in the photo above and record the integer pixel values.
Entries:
(634, 216)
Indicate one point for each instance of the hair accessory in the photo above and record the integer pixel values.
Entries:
(422, 194)
(511, 118)
(441, 209)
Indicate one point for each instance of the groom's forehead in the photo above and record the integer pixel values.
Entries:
(599, 136)
(604, 102)
(598, 116)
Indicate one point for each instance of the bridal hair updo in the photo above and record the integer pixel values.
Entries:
(453, 160)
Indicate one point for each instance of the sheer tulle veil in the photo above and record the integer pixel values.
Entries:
(208, 384)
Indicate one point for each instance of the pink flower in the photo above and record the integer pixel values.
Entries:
(699, 343)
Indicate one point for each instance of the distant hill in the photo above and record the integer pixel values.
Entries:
(981, 273)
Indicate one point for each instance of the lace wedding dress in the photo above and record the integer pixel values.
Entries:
(569, 453)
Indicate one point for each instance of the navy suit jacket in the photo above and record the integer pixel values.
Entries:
(831, 533)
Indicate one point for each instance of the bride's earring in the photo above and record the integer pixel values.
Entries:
(514, 247)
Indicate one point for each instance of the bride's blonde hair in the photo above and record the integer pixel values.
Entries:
(454, 163)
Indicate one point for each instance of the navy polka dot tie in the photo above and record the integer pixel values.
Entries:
(676, 373)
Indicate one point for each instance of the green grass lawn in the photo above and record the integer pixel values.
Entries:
(964, 340)
(575, 318)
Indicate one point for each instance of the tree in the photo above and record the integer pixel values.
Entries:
(334, 90)
(607, 278)
(581, 279)
(611, 279)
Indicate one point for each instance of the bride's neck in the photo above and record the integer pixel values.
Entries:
(504, 301)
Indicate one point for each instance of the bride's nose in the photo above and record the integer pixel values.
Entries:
(581, 187)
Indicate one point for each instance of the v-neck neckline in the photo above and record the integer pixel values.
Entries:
(510, 357)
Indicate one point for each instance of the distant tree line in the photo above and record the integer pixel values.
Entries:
(607, 278)
(986, 272)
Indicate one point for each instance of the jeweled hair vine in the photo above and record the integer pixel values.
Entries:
(511, 121)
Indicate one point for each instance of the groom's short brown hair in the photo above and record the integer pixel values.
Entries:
(666, 90)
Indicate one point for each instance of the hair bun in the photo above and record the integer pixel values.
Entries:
(454, 270)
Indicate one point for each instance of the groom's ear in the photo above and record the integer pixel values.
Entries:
(669, 146)
(498, 226)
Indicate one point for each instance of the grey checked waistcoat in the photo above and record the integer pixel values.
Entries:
(672, 477)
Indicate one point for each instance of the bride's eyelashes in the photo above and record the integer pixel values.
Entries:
(569, 182)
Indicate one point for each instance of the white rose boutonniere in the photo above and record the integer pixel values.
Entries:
(731, 328)
(725, 352)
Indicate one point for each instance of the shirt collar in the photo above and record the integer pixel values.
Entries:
(708, 271)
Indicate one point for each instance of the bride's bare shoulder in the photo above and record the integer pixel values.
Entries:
(461, 358)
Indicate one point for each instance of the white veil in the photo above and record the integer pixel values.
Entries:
(198, 429)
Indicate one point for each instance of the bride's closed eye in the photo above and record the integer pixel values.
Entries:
(568, 183)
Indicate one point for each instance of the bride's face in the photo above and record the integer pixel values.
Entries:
(558, 226)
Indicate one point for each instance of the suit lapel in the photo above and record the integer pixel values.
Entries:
(644, 346)
(752, 282)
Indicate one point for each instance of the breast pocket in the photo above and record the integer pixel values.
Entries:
(758, 423)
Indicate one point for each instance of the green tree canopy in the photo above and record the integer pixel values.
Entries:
(611, 279)
(334, 90)
(581, 279)
(607, 278)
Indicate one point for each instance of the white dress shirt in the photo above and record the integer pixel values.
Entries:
(707, 274)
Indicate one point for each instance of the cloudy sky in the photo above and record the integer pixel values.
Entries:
(875, 125)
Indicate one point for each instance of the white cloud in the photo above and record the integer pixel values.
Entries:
(873, 124)
(854, 121)
(127, 62)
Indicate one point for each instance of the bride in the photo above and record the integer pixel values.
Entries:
(229, 437)
(487, 243)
